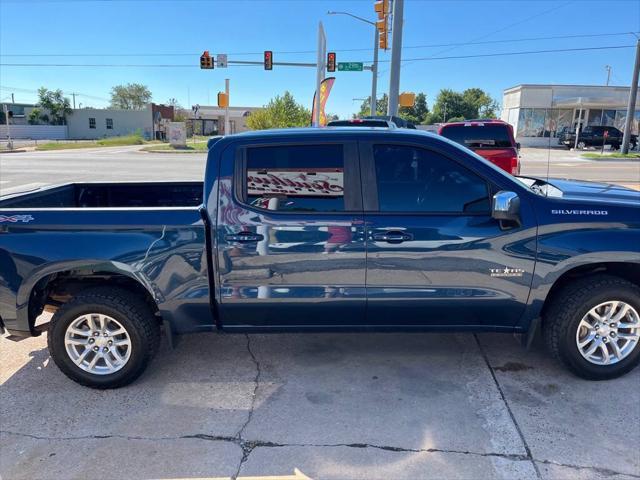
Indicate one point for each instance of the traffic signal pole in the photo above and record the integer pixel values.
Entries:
(374, 72)
(631, 106)
(396, 57)
(226, 110)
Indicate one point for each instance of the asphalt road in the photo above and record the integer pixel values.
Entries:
(19, 171)
(320, 406)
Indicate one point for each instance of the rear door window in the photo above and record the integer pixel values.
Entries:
(298, 178)
(479, 136)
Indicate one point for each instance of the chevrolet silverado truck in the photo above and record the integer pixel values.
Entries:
(323, 230)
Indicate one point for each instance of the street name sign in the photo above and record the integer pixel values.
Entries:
(350, 66)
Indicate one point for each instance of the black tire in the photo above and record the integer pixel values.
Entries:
(569, 306)
(130, 311)
(615, 146)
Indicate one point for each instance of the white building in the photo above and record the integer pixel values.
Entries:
(539, 113)
(209, 120)
(92, 123)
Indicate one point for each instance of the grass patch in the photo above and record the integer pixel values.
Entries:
(103, 142)
(599, 156)
(120, 141)
(190, 148)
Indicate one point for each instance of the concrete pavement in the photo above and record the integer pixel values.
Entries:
(333, 406)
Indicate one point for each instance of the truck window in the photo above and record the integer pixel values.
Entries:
(412, 179)
(298, 178)
(479, 136)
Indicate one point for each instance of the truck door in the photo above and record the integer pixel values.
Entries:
(435, 256)
(290, 236)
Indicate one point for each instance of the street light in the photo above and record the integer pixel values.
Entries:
(374, 67)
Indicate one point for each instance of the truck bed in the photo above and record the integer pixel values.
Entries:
(109, 195)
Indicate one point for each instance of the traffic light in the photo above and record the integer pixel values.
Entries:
(382, 42)
(223, 100)
(206, 61)
(407, 99)
(268, 60)
(331, 62)
(381, 8)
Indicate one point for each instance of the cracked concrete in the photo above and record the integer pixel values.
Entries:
(333, 406)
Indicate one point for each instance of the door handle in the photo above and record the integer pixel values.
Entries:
(244, 237)
(392, 237)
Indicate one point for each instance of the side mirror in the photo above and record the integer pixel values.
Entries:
(517, 145)
(506, 207)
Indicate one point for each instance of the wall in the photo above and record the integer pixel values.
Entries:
(35, 132)
(125, 122)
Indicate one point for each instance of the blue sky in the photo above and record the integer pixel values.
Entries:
(237, 27)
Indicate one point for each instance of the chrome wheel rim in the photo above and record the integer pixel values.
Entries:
(608, 333)
(97, 344)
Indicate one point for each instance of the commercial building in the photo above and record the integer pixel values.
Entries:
(94, 123)
(209, 120)
(539, 113)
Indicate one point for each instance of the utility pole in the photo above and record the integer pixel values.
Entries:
(13, 100)
(608, 69)
(6, 118)
(396, 57)
(74, 100)
(374, 72)
(374, 66)
(631, 106)
(226, 110)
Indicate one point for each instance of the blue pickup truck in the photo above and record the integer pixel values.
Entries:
(323, 229)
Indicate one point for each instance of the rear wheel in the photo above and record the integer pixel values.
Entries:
(103, 338)
(593, 327)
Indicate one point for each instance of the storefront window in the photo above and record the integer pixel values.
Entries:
(541, 122)
(531, 122)
(608, 118)
(595, 117)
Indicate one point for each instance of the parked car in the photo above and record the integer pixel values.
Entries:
(397, 121)
(491, 139)
(362, 122)
(340, 229)
(595, 136)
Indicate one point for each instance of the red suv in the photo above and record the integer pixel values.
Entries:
(491, 139)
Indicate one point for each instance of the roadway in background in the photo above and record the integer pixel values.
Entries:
(20, 171)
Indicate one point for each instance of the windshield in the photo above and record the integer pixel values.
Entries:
(541, 187)
(479, 135)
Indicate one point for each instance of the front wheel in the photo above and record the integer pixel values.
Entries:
(593, 327)
(103, 338)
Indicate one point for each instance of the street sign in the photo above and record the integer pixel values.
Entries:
(221, 60)
(350, 66)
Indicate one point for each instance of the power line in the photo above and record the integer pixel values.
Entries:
(295, 52)
(418, 59)
(26, 90)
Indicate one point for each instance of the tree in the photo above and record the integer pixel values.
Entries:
(472, 103)
(280, 112)
(56, 104)
(132, 96)
(382, 105)
(35, 116)
(416, 114)
(172, 102)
